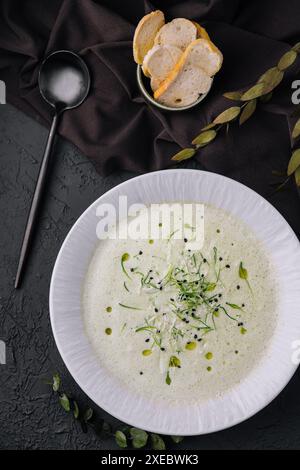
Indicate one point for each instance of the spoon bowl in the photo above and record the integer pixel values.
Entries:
(64, 80)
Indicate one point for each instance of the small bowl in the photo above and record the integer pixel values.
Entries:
(144, 87)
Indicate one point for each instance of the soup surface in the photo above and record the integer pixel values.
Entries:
(176, 323)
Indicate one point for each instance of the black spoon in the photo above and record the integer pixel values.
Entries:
(64, 82)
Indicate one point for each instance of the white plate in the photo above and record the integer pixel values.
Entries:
(260, 387)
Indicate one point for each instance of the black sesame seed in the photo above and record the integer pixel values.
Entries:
(199, 339)
(238, 287)
(131, 269)
(220, 295)
(227, 266)
(162, 349)
(220, 259)
(216, 309)
(243, 305)
(147, 340)
(204, 260)
(160, 288)
(141, 373)
(185, 240)
(156, 310)
(195, 336)
(140, 252)
(158, 331)
(151, 278)
(236, 352)
(172, 300)
(240, 324)
(187, 321)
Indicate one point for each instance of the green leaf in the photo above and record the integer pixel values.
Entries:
(75, 410)
(209, 126)
(56, 382)
(287, 60)
(174, 362)
(204, 138)
(184, 154)
(233, 95)
(88, 415)
(234, 306)
(248, 111)
(296, 47)
(294, 162)
(243, 273)
(121, 439)
(211, 286)
(296, 130)
(139, 438)
(168, 379)
(271, 79)
(297, 177)
(157, 442)
(254, 92)
(64, 402)
(177, 439)
(227, 115)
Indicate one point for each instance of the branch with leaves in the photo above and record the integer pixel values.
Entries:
(125, 437)
(261, 91)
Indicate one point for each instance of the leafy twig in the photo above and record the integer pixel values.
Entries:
(125, 437)
(262, 90)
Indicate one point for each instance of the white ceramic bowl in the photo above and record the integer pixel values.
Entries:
(264, 382)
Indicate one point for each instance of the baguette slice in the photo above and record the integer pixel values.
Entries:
(183, 86)
(159, 62)
(204, 54)
(145, 34)
(201, 32)
(179, 33)
(187, 80)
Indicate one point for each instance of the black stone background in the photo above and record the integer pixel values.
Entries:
(30, 417)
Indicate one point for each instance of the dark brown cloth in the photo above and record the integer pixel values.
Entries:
(115, 128)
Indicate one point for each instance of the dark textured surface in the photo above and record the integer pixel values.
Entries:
(30, 417)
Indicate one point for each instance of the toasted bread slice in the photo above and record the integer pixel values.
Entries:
(183, 86)
(160, 60)
(204, 54)
(185, 89)
(179, 33)
(201, 32)
(145, 34)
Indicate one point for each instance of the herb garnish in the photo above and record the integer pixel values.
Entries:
(125, 257)
(243, 274)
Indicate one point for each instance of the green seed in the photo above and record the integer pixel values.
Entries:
(208, 368)
(151, 242)
(147, 352)
(108, 331)
(108, 309)
(243, 330)
(209, 355)
(190, 345)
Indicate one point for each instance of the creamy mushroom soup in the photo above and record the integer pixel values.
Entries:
(180, 324)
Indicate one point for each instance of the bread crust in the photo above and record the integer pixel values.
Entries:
(140, 47)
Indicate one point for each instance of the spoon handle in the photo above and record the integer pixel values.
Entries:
(35, 203)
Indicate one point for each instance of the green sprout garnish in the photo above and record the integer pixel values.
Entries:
(125, 257)
(243, 274)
